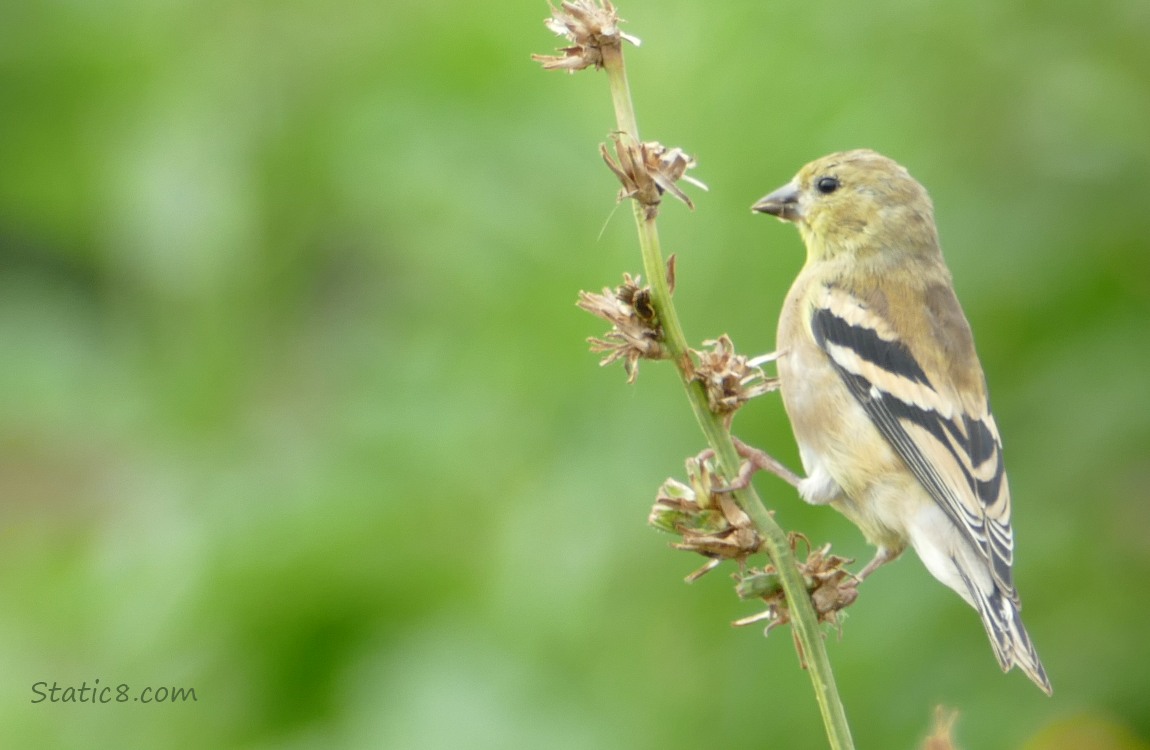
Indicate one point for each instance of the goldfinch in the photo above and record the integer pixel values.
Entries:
(884, 391)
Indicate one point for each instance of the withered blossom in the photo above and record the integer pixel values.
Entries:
(942, 733)
(635, 333)
(647, 170)
(711, 523)
(730, 379)
(589, 26)
(831, 586)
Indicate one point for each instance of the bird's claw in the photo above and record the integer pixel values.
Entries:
(754, 460)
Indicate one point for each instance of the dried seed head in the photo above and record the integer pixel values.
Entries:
(647, 170)
(635, 330)
(730, 379)
(942, 733)
(710, 522)
(831, 586)
(590, 27)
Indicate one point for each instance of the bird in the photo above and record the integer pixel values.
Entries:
(884, 390)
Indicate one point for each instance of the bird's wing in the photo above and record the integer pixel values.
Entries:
(952, 448)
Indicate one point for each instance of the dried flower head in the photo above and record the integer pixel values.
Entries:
(647, 170)
(942, 733)
(831, 586)
(711, 523)
(730, 379)
(590, 27)
(635, 330)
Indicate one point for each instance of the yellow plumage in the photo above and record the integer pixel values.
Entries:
(884, 390)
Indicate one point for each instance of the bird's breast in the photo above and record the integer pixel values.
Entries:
(841, 449)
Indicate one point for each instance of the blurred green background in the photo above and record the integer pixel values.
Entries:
(296, 408)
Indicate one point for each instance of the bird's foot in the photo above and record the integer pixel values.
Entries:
(754, 460)
(881, 558)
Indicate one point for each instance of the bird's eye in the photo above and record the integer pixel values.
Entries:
(827, 185)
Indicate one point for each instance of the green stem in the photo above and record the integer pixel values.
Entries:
(803, 618)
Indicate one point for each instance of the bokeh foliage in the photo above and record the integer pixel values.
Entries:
(296, 411)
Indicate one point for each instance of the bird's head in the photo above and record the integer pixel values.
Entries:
(855, 202)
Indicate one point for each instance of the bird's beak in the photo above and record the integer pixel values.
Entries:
(783, 203)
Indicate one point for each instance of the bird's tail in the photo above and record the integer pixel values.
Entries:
(1002, 619)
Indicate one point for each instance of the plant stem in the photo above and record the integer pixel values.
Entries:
(802, 613)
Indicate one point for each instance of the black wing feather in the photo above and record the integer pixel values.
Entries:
(969, 442)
